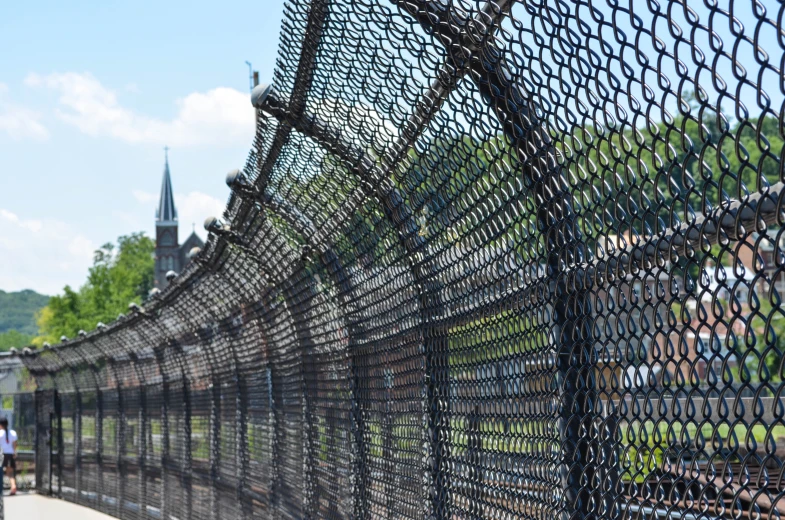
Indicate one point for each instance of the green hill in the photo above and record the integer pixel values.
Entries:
(17, 310)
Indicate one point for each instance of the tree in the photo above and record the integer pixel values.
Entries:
(13, 338)
(17, 310)
(120, 274)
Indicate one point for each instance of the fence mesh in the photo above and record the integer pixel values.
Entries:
(487, 259)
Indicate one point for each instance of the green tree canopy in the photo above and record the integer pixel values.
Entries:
(18, 309)
(13, 338)
(119, 275)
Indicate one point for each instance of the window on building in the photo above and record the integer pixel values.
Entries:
(166, 239)
(166, 263)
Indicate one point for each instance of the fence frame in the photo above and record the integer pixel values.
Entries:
(588, 424)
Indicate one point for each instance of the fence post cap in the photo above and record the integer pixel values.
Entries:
(259, 94)
(234, 177)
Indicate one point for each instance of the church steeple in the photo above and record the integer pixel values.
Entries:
(169, 254)
(166, 213)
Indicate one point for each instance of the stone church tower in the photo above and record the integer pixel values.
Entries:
(169, 254)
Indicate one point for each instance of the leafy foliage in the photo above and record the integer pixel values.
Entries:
(13, 338)
(120, 274)
(18, 309)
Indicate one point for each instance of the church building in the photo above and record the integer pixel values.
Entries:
(169, 254)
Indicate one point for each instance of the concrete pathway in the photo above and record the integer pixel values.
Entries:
(37, 507)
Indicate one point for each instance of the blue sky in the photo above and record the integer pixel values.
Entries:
(90, 93)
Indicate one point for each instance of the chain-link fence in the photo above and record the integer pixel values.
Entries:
(487, 259)
(17, 405)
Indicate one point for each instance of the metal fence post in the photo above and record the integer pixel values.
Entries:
(557, 222)
(432, 333)
(158, 348)
(119, 422)
(204, 337)
(299, 308)
(52, 442)
(158, 352)
(37, 444)
(99, 441)
(119, 437)
(90, 363)
(272, 422)
(172, 345)
(215, 437)
(60, 443)
(44, 403)
(300, 311)
(242, 452)
(76, 422)
(275, 444)
(120, 440)
(186, 472)
(347, 298)
(142, 416)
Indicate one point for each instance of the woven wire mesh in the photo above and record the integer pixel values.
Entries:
(487, 259)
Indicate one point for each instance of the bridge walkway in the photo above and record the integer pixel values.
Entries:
(32, 506)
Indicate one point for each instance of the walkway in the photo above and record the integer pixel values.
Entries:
(37, 507)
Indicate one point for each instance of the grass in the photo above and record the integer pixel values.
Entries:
(645, 447)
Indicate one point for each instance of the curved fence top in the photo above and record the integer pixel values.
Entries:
(486, 259)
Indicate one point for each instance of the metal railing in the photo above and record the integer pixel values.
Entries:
(486, 259)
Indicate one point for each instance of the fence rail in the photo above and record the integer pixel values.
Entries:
(486, 259)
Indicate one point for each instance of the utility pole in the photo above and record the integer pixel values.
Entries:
(253, 78)
(253, 75)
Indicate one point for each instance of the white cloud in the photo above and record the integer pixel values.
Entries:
(81, 247)
(46, 254)
(193, 208)
(144, 196)
(221, 116)
(31, 225)
(131, 220)
(19, 122)
(41, 254)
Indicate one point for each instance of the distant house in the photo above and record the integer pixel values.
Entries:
(772, 252)
(169, 254)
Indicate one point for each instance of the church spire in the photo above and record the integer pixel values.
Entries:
(166, 211)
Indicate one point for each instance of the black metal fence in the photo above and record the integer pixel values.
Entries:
(487, 259)
(17, 405)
